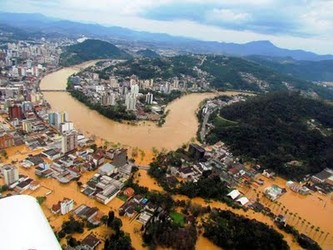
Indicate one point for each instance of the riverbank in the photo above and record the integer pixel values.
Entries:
(180, 126)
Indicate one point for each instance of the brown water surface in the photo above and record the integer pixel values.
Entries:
(180, 127)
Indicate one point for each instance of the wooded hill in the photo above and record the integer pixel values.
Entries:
(91, 50)
(278, 129)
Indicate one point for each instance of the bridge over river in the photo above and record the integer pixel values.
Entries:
(53, 90)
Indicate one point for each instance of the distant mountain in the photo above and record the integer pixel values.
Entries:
(46, 25)
(90, 50)
(266, 48)
(306, 70)
(147, 53)
(42, 25)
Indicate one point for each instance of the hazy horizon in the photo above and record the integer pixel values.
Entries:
(299, 24)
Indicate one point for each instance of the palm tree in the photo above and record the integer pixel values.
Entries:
(326, 235)
(307, 225)
(303, 221)
(312, 227)
(286, 212)
(315, 232)
(290, 214)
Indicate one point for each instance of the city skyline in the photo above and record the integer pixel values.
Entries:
(302, 24)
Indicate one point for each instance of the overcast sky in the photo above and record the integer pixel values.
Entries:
(295, 24)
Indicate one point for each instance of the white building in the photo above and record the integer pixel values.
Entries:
(99, 88)
(24, 225)
(27, 126)
(175, 84)
(95, 76)
(66, 127)
(10, 174)
(149, 98)
(69, 141)
(56, 118)
(135, 89)
(130, 102)
(112, 99)
(113, 82)
(66, 206)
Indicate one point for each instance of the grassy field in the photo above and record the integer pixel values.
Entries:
(224, 122)
(177, 218)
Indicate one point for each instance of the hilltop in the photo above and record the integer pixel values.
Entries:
(277, 130)
(90, 50)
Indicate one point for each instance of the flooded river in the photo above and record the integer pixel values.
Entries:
(180, 127)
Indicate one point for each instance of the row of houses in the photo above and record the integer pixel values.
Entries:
(91, 214)
(140, 208)
(107, 183)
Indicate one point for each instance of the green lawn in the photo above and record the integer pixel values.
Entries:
(122, 197)
(177, 218)
(224, 122)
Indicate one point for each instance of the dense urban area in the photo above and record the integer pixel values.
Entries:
(257, 175)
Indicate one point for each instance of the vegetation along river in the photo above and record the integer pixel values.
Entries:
(180, 127)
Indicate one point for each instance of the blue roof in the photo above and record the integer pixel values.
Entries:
(107, 167)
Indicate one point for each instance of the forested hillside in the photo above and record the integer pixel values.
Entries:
(306, 70)
(278, 129)
(222, 72)
(231, 231)
(90, 50)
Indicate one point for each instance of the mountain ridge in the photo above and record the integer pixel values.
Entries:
(39, 23)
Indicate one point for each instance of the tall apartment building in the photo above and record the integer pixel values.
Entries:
(66, 127)
(15, 112)
(69, 141)
(108, 99)
(6, 140)
(56, 118)
(149, 98)
(135, 89)
(27, 126)
(10, 174)
(130, 102)
(113, 82)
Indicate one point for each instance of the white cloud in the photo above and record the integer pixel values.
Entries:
(312, 18)
(227, 15)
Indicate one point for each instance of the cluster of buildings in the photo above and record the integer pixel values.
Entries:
(90, 214)
(15, 181)
(63, 207)
(22, 67)
(144, 97)
(274, 192)
(139, 208)
(217, 159)
(33, 55)
(110, 177)
(209, 108)
(323, 181)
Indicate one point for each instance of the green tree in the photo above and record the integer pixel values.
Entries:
(41, 199)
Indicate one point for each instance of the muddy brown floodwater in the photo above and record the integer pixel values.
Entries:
(180, 127)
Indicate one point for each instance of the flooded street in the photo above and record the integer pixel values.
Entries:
(312, 215)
